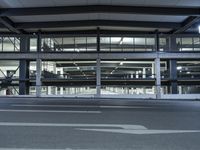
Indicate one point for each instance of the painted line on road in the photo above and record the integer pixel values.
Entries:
(134, 107)
(122, 126)
(141, 132)
(82, 106)
(109, 128)
(49, 111)
(62, 106)
(36, 149)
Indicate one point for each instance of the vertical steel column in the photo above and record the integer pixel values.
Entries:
(173, 76)
(98, 40)
(157, 68)
(24, 67)
(38, 68)
(158, 79)
(98, 67)
(38, 77)
(98, 77)
(173, 67)
(172, 43)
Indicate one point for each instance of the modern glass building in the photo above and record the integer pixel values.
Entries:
(100, 48)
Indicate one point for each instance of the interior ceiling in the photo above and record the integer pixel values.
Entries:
(159, 18)
(52, 3)
(94, 16)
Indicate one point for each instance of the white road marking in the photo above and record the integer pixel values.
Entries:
(141, 132)
(62, 106)
(49, 111)
(35, 149)
(75, 106)
(111, 128)
(122, 126)
(126, 107)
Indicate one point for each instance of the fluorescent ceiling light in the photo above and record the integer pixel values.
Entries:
(188, 72)
(121, 41)
(179, 68)
(199, 29)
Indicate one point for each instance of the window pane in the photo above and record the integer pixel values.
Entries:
(139, 41)
(140, 44)
(91, 43)
(8, 44)
(33, 44)
(68, 44)
(150, 44)
(105, 43)
(163, 44)
(116, 43)
(17, 44)
(187, 41)
(57, 44)
(196, 41)
(187, 44)
(127, 44)
(80, 44)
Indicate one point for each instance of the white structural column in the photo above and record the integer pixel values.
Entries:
(144, 73)
(158, 78)
(98, 77)
(38, 77)
(157, 67)
(38, 67)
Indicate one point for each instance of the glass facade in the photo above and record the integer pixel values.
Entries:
(69, 44)
(127, 44)
(9, 44)
(117, 76)
(9, 77)
(188, 43)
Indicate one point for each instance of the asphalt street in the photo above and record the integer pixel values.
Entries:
(98, 125)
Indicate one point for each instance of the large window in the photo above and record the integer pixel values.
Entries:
(69, 44)
(68, 77)
(9, 77)
(127, 44)
(9, 44)
(125, 76)
(188, 69)
(188, 43)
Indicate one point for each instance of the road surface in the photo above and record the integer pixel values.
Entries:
(83, 125)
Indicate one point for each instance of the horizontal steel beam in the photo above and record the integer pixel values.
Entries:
(86, 23)
(7, 23)
(94, 56)
(186, 24)
(181, 11)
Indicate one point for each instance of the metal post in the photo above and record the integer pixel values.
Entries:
(157, 67)
(23, 76)
(172, 43)
(157, 48)
(38, 67)
(38, 77)
(98, 67)
(158, 79)
(39, 42)
(173, 76)
(98, 77)
(24, 67)
(98, 39)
